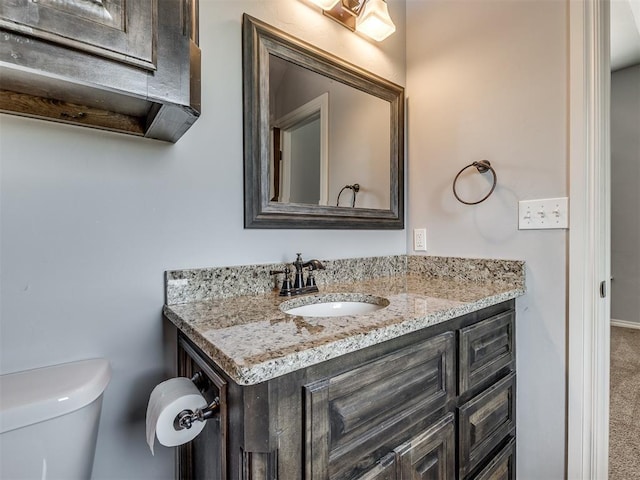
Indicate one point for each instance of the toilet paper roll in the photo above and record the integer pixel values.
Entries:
(167, 400)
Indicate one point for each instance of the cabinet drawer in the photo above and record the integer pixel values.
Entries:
(385, 469)
(355, 418)
(485, 349)
(502, 466)
(485, 421)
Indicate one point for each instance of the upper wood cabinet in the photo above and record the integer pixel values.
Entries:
(130, 67)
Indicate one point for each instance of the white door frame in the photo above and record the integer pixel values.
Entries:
(589, 241)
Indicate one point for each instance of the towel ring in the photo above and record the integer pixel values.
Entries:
(482, 166)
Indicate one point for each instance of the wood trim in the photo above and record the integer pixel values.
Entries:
(317, 443)
(589, 249)
(65, 112)
(625, 324)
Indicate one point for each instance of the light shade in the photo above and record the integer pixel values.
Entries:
(325, 4)
(374, 21)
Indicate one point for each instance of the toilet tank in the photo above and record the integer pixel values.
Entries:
(49, 420)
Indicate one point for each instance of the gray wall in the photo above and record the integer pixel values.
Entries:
(488, 79)
(90, 220)
(625, 194)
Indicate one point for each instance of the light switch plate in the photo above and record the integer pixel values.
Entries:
(543, 214)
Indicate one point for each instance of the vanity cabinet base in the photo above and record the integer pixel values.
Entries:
(412, 407)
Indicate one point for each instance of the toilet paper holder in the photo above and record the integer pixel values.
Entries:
(186, 418)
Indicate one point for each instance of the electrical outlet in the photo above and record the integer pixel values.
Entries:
(420, 239)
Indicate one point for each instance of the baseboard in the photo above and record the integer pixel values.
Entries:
(624, 324)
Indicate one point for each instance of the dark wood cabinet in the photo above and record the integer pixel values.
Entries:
(126, 66)
(414, 407)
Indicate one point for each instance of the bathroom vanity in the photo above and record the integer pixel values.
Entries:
(422, 388)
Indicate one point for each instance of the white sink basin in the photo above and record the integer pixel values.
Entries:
(334, 305)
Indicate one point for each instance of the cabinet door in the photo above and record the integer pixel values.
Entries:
(129, 66)
(354, 419)
(117, 29)
(205, 456)
(486, 348)
(485, 421)
(502, 466)
(431, 455)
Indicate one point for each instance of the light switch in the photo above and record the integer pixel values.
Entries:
(543, 214)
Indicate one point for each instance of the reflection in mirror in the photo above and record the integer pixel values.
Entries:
(323, 138)
(299, 153)
(318, 164)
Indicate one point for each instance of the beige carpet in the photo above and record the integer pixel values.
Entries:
(624, 415)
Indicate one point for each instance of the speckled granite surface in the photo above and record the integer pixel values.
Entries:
(247, 334)
(468, 269)
(184, 286)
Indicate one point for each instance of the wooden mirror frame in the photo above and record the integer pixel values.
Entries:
(259, 40)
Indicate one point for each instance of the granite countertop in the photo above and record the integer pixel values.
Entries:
(252, 340)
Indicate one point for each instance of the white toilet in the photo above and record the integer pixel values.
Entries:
(49, 420)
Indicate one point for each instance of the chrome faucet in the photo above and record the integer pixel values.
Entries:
(299, 286)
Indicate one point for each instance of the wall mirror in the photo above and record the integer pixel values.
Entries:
(323, 139)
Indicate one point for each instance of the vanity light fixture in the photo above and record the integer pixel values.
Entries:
(369, 17)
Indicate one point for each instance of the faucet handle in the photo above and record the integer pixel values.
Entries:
(286, 282)
(311, 280)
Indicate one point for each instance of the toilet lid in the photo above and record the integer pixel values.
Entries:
(40, 394)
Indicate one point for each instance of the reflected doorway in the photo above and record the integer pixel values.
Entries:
(299, 154)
